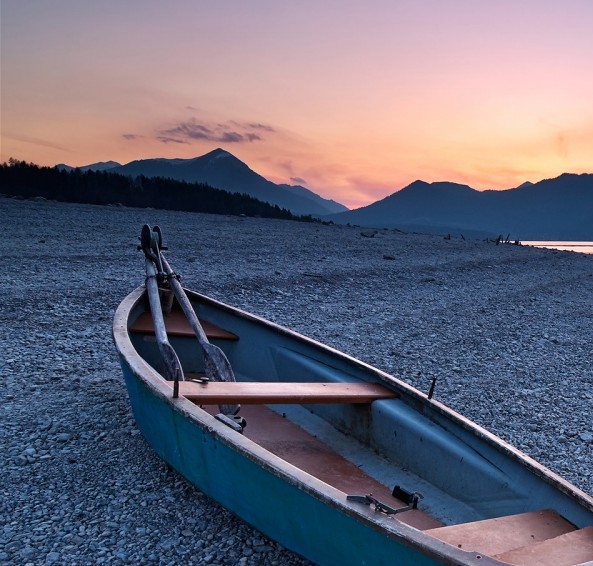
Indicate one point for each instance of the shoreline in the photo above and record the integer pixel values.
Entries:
(506, 330)
(583, 247)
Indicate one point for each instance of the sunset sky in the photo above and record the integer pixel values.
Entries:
(354, 100)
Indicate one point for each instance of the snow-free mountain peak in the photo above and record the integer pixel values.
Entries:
(221, 169)
(552, 209)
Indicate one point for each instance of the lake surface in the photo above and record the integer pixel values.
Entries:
(581, 247)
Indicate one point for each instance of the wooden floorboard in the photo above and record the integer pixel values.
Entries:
(291, 443)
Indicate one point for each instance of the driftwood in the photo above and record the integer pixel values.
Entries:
(507, 240)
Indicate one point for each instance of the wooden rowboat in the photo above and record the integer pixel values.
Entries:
(336, 460)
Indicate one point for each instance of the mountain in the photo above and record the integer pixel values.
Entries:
(23, 180)
(303, 192)
(552, 209)
(222, 170)
(100, 166)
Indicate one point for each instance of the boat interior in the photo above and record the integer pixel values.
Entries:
(311, 424)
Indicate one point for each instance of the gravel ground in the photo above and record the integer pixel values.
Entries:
(507, 331)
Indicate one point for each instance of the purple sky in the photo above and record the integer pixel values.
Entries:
(354, 100)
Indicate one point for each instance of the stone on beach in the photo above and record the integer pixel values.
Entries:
(506, 330)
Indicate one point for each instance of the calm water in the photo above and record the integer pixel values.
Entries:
(581, 247)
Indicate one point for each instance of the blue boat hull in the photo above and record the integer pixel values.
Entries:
(290, 506)
(285, 511)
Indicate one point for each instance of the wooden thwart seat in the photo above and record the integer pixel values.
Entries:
(569, 549)
(177, 325)
(535, 538)
(221, 392)
(501, 534)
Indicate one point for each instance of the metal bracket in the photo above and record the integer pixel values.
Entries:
(237, 423)
(411, 499)
(432, 386)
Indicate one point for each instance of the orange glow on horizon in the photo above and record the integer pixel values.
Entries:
(353, 104)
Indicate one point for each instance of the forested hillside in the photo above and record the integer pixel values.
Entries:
(27, 180)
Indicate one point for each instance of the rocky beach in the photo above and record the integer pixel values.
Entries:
(506, 330)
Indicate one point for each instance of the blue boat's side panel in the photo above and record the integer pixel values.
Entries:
(280, 509)
(465, 472)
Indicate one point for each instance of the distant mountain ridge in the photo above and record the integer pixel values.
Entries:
(100, 166)
(222, 170)
(552, 209)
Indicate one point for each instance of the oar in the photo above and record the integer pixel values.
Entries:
(172, 364)
(217, 365)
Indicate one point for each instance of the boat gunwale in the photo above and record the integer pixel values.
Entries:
(405, 534)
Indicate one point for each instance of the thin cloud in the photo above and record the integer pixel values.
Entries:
(261, 127)
(166, 139)
(231, 132)
(37, 141)
(189, 130)
(298, 180)
(230, 137)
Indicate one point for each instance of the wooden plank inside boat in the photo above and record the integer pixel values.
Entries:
(293, 444)
(569, 549)
(215, 392)
(177, 325)
(502, 534)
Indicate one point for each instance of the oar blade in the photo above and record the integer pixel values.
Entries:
(218, 368)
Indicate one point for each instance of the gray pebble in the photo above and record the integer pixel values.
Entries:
(506, 330)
